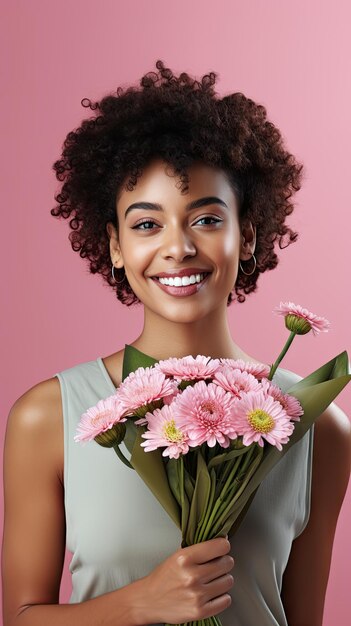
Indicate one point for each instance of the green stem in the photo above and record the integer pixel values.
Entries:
(222, 477)
(181, 475)
(248, 456)
(237, 482)
(282, 354)
(251, 470)
(228, 470)
(220, 499)
(122, 457)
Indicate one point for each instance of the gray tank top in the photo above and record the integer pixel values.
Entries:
(118, 532)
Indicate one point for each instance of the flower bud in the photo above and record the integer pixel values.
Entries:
(113, 436)
(147, 408)
(297, 324)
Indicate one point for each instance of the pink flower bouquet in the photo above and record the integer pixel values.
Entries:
(203, 433)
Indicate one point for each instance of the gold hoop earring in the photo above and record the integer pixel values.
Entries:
(114, 278)
(248, 273)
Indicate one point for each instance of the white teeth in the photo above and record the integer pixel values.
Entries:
(183, 281)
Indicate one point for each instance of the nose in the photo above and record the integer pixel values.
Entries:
(177, 244)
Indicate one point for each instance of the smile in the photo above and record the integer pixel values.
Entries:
(182, 281)
(182, 286)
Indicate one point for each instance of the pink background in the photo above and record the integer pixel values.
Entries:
(291, 57)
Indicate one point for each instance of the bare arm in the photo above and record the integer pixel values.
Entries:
(34, 530)
(192, 583)
(306, 576)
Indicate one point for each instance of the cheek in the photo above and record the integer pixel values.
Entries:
(228, 255)
(137, 255)
(229, 248)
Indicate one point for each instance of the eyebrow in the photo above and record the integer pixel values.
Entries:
(195, 204)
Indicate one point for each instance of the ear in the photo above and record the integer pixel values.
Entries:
(248, 240)
(115, 250)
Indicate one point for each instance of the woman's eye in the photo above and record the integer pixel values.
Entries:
(137, 226)
(208, 217)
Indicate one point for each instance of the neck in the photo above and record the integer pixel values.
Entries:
(210, 336)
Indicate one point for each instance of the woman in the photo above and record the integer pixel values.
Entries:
(167, 180)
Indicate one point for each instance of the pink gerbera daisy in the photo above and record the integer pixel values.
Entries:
(301, 321)
(256, 369)
(99, 418)
(188, 367)
(206, 412)
(164, 431)
(291, 404)
(143, 387)
(259, 417)
(236, 381)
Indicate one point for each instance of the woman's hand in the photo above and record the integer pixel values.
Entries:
(191, 584)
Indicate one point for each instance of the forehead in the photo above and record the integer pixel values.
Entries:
(159, 183)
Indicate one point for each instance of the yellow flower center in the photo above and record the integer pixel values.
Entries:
(171, 432)
(260, 421)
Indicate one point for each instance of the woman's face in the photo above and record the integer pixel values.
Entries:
(172, 237)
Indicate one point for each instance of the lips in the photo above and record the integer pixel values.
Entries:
(204, 274)
(183, 290)
(182, 272)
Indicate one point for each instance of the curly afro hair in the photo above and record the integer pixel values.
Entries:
(182, 121)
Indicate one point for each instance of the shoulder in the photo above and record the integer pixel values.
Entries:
(334, 423)
(332, 452)
(36, 418)
(38, 407)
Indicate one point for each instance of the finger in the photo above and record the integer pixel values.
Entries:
(218, 587)
(216, 605)
(216, 568)
(208, 550)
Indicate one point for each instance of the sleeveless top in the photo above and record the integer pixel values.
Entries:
(118, 532)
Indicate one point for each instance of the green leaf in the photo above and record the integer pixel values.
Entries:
(199, 500)
(333, 369)
(149, 465)
(188, 484)
(201, 533)
(151, 468)
(133, 358)
(184, 501)
(173, 479)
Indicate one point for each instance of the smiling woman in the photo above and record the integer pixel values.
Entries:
(178, 198)
(202, 238)
(180, 121)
